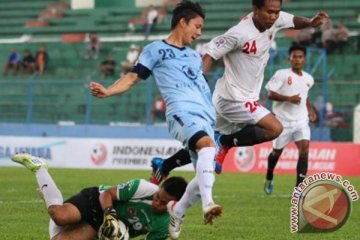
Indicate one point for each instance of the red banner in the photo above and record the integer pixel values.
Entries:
(341, 158)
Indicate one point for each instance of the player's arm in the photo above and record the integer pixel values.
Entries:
(295, 99)
(120, 86)
(312, 111)
(303, 22)
(107, 197)
(273, 88)
(207, 61)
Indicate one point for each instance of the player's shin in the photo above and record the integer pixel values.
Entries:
(190, 197)
(301, 169)
(205, 174)
(180, 158)
(272, 161)
(48, 188)
(247, 136)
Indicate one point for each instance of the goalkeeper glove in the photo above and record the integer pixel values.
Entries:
(110, 220)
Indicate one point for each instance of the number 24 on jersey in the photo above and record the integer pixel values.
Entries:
(250, 47)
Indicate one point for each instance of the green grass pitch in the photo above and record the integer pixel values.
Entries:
(248, 212)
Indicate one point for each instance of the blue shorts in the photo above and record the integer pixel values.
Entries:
(185, 126)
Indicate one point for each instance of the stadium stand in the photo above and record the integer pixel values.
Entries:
(61, 94)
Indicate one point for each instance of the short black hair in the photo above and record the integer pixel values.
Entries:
(297, 47)
(187, 10)
(175, 186)
(260, 3)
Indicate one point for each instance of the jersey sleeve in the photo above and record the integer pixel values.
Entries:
(135, 189)
(285, 20)
(221, 45)
(275, 82)
(149, 57)
(311, 81)
(146, 62)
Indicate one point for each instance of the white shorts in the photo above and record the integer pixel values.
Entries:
(294, 131)
(234, 115)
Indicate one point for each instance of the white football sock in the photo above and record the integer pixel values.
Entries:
(54, 229)
(48, 188)
(205, 174)
(190, 197)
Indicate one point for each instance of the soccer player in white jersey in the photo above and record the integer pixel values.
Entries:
(94, 209)
(289, 89)
(245, 51)
(190, 115)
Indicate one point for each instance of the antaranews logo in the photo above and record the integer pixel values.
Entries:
(321, 203)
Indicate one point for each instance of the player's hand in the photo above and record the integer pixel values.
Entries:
(98, 90)
(319, 19)
(313, 116)
(107, 227)
(296, 99)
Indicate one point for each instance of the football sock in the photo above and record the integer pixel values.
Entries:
(190, 197)
(54, 229)
(180, 158)
(272, 160)
(301, 169)
(247, 136)
(50, 191)
(205, 173)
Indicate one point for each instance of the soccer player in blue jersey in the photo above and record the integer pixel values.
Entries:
(190, 115)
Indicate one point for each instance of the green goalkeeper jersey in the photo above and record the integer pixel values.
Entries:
(135, 210)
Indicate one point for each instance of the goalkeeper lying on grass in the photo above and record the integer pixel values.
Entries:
(102, 211)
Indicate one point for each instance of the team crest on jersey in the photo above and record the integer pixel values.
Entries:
(131, 211)
(220, 42)
(290, 80)
(189, 72)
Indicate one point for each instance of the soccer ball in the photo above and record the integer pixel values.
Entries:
(121, 232)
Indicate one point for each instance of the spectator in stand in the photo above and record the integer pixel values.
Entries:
(168, 5)
(334, 119)
(342, 35)
(42, 60)
(131, 57)
(158, 109)
(305, 36)
(328, 37)
(27, 64)
(107, 67)
(151, 20)
(316, 38)
(12, 62)
(93, 48)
